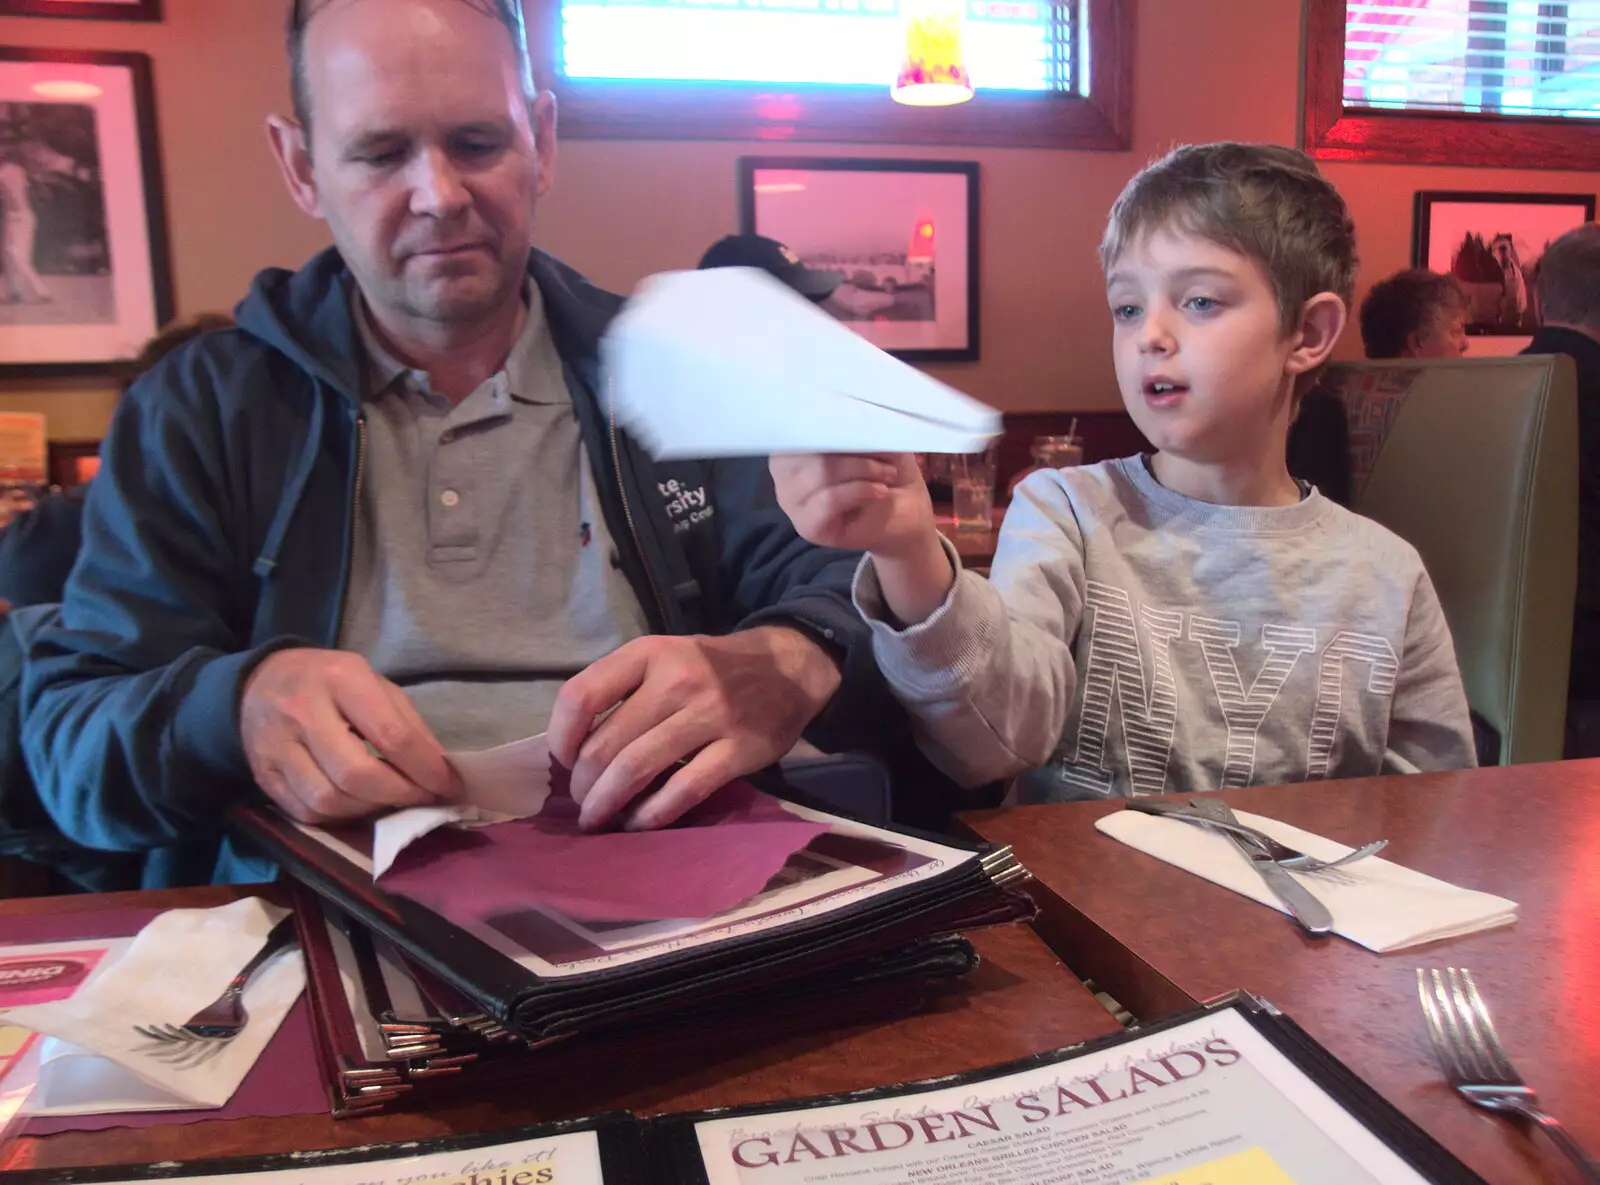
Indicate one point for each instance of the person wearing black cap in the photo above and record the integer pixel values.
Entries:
(775, 259)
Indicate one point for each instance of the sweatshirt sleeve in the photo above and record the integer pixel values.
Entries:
(130, 699)
(1429, 724)
(989, 677)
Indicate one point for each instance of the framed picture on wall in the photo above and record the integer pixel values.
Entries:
(901, 234)
(90, 10)
(1491, 243)
(84, 278)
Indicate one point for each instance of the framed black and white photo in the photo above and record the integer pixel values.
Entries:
(84, 277)
(903, 234)
(1492, 243)
(85, 10)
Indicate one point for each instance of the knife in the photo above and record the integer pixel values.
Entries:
(1312, 915)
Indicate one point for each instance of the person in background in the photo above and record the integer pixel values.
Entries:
(1415, 314)
(1569, 297)
(775, 259)
(1411, 314)
(39, 546)
(1288, 639)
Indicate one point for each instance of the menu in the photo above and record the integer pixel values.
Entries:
(1230, 1094)
(1210, 1101)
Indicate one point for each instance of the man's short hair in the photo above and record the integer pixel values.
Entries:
(1268, 203)
(1403, 304)
(1569, 278)
(301, 12)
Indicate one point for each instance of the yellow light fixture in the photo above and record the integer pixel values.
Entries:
(933, 73)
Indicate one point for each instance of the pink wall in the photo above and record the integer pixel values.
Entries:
(621, 210)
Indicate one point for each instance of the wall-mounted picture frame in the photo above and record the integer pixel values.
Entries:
(85, 10)
(901, 234)
(1492, 243)
(84, 273)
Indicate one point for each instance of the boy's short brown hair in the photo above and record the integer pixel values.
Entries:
(1266, 202)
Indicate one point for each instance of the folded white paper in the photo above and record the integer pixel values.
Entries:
(728, 362)
(1381, 905)
(180, 962)
(507, 782)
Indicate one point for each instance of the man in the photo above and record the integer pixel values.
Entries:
(387, 516)
(1569, 295)
(776, 260)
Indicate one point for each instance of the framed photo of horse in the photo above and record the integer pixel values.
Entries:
(1492, 243)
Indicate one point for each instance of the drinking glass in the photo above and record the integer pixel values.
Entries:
(972, 479)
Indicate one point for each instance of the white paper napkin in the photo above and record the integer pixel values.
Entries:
(180, 962)
(1381, 905)
(507, 782)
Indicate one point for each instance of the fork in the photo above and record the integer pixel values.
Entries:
(1469, 1050)
(1280, 853)
(225, 1017)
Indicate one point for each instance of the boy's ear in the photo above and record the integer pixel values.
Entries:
(1321, 322)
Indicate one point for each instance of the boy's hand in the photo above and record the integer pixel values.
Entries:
(874, 502)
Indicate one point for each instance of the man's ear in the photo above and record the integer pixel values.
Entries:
(1321, 322)
(543, 113)
(293, 154)
(1413, 345)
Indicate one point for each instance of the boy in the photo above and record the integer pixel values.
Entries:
(1190, 619)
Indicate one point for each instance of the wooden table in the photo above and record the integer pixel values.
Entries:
(1021, 1000)
(1158, 938)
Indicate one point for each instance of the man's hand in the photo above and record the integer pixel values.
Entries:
(307, 718)
(729, 705)
(874, 502)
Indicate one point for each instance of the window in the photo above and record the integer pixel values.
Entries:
(821, 69)
(1474, 82)
(1009, 46)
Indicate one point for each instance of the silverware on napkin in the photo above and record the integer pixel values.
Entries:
(225, 1017)
(1312, 915)
(1281, 853)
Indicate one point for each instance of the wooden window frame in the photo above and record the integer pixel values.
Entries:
(1333, 131)
(625, 110)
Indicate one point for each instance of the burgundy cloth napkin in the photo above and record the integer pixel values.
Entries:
(723, 852)
(284, 1081)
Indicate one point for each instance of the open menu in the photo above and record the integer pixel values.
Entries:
(1230, 1094)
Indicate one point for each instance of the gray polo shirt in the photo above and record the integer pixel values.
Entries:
(483, 575)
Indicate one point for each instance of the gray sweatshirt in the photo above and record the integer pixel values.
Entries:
(1135, 641)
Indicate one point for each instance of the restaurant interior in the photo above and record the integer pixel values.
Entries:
(829, 970)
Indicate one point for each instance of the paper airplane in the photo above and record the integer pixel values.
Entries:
(728, 362)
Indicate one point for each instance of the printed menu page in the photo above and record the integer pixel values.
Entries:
(571, 1158)
(1210, 1102)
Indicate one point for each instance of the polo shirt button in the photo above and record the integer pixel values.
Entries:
(450, 499)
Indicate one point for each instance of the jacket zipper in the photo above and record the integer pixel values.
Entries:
(350, 532)
(627, 511)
